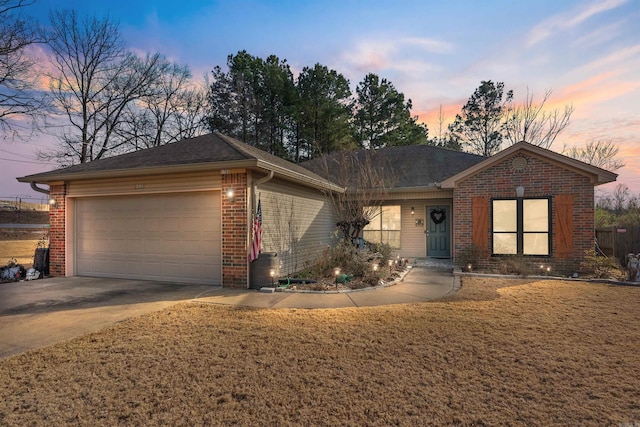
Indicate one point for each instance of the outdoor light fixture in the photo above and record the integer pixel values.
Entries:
(53, 202)
(272, 273)
(520, 191)
(230, 195)
(413, 210)
(469, 267)
(375, 267)
(390, 264)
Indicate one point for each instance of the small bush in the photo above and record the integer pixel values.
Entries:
(597, 265)
(351, 260)
(470, 255)
(515, 265)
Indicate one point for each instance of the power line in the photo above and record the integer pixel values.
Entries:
(27, 161)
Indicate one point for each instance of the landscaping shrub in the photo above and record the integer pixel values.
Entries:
(351, 260)
(598, 266)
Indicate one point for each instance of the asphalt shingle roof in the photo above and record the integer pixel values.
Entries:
(210, 148)
(410, 166)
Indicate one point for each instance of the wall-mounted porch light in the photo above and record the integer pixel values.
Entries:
(53, 202)
(231, 195)
(520, 191)
(413, 210)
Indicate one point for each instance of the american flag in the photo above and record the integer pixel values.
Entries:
(257, 234)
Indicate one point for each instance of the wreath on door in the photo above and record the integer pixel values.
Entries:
(438, 216)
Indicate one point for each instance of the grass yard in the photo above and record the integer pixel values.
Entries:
(499, 352)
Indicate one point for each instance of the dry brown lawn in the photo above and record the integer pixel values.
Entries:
(497, 353)
(20, 250)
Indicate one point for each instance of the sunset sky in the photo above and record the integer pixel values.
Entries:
(436, 53)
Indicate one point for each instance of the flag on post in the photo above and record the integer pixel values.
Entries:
(256, 244)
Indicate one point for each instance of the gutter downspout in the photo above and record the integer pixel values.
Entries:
(34, 187)
(255, 184)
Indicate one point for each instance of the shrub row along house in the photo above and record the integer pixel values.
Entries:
(183, 212)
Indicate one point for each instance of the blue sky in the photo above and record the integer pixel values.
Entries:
(437, 53)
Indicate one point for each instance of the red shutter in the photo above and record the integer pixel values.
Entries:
(480, 222)
(564, 225)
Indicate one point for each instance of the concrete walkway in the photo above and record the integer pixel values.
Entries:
(418, 285)
(44, 312)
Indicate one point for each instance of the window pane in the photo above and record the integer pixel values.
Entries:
(391, 217)
(505, 217)
(374, 224)
(371, 236)
(535, 215)
(392, 238)
(505, 243)
(535, 244)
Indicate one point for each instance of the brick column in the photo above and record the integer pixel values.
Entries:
(57, 233)
(234, 231)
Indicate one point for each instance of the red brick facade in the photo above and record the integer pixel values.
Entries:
(57, 232)
(235, 230)
(540, 178)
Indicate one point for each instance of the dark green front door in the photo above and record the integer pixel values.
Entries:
(438, 232)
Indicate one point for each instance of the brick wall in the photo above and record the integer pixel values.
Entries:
(57, 230)
(234, 231)
(540, 178)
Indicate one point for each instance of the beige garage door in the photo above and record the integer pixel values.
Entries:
(168, 237)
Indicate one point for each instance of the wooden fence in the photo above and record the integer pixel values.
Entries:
(617, 242)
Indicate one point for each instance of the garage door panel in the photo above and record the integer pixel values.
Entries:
(171, 237)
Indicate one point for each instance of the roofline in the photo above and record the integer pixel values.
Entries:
(173, 169)
(144, 171)
(298, 177)
(597, 175)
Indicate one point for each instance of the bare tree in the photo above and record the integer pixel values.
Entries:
(531, 123)
(619, 197)
(95, 79)
(599, 153)
(365, 181)
(172, 109)
(18, 98)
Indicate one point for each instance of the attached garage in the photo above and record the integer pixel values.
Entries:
(167, 237)
(179, 212)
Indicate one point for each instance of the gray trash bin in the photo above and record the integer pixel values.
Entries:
(260, 270)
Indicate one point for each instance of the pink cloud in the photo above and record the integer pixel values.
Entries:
(563, 21)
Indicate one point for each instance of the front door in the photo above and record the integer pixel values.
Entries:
(438, 234)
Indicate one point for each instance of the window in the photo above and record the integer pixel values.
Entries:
(521, 226)
(384, 227)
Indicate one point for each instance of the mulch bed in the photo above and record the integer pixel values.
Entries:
(499, 352)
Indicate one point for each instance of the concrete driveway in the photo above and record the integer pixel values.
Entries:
(39, 313)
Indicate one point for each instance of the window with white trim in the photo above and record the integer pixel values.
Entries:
(384, 227)
(521, 226)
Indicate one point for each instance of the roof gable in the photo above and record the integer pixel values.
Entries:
(597, 175)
